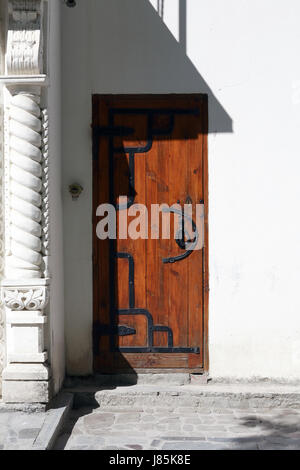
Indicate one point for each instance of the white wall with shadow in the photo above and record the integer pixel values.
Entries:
(135, 52)
(244, 55)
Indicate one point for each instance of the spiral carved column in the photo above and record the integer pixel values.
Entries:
(25, 187)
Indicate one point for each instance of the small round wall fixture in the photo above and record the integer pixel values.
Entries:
(75, 190)
(70, 3)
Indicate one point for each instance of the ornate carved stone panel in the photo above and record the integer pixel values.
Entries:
(25, 298)
(24, 51)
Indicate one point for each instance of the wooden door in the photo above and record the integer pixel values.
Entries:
(150, 298)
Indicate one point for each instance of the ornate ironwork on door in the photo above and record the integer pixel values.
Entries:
(112, 329)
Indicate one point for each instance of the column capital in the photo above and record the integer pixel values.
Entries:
(27, 80)
(24, 57)
(24, 51)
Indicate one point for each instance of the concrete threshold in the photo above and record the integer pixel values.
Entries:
(133, 379)
(213, 395)
(51, 419)
(55, 418)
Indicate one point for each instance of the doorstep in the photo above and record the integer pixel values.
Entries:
(212, 395)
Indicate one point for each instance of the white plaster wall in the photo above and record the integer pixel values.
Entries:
(57, 346)
(77, 167)
(245, 55)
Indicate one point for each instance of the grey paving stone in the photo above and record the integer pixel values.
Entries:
(186, 410)
(99, 432)
(19, 420)
(123, 439)
(148, 418)
(192, 446)
(207, 420)
(176, 430)
(5, 418)
(233, 440)
(128, 418)
(160, 427)
(210, 428)
(75, 430)
(123, 410)
(169, 419)
(270, 446)
(135, 447)
(96, 421)
(245, 446)
(89, 440)
(194, 420)
(187, 427)
(183, 438)
(172, 433)
(19, 445)
(77, 448)
(165, 411)
(156, 443)
(287, 429)
(293, 447)
(149, 427)
(249, 431)
(99, 417)
(204, 411)
(29, 433)
(281, 440)
(126, 427)
(226, 420)
(222, 412)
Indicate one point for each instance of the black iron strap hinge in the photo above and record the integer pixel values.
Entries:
(106, 131)
(115, 131)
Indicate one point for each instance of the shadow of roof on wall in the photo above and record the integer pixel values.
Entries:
(138, 54)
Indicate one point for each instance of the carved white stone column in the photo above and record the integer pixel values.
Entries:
(25, 290)
(25, 185)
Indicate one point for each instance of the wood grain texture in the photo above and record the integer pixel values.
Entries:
(174, 170)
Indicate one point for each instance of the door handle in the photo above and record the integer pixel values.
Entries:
(180, 237)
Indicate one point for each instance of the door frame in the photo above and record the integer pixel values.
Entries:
(95, 169)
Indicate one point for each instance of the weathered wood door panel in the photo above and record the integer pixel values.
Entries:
(149, 313)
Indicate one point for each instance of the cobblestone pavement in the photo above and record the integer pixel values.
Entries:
(181, 429)
(18, 431)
